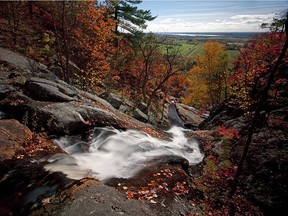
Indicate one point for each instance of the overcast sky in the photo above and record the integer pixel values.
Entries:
(212, 15)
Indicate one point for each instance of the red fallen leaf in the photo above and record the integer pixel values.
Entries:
(180, 189)
(130, 194)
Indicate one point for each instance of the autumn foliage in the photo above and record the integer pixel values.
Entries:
(62, 34)
(143, 66)
(93, 43)
(207, 80)
(252, 67)
(227, 132)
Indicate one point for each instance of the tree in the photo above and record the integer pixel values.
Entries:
(128, 16)
(149, 51)
(277, 25)
(173, 63)
(157, 64)
(177, 85)
(211, 71)
(196, 92)
(252, 66)
(14, 12)
(146, 67)
(63, 15)
(93, 46)
(83, 32)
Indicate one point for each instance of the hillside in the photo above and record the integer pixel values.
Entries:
(132, 123)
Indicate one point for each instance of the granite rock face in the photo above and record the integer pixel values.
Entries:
(30, 92)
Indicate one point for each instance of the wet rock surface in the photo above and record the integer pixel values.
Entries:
(23, 184)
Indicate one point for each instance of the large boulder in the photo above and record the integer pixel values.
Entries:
(18, 141)
(189, 114)
(175, 113)
(86, 96)
(12, 135)
(113, 99)
(50, 91)
(94, 198)
(70, 118)
(58, 117)
(28, 67)
(139, 115)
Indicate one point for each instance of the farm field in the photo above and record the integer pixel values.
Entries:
(232, 54)
(194, 49)
(191, 44)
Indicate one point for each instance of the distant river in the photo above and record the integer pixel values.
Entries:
(205, 35)
(197, 35)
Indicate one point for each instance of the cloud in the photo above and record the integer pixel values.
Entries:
(256, 18)
(180, 25)
(240, 22)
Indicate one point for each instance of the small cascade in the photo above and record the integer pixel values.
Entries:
(116, 153)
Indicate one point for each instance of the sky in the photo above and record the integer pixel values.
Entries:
(211, 15)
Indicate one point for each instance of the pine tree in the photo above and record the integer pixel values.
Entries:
(128, 16)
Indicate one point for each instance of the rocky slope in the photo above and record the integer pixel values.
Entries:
(35, 95)
(36, 106)
(265, 173)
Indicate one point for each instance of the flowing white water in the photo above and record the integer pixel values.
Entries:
(115, 153)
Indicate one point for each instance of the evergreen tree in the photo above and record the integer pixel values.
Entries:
(128, 16)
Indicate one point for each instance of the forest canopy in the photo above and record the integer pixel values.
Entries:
(141, 65)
